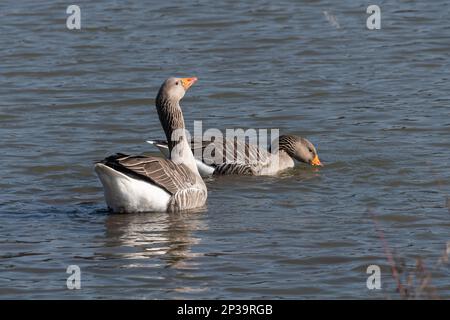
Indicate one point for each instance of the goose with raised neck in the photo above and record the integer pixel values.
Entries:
(153, 184)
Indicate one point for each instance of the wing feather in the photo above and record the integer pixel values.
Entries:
(229, 156)
(162, 172)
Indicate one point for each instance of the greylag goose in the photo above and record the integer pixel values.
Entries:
(153, 184)
(235, 156)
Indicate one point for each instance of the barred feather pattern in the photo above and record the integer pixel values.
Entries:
(231, 156)
(170, 116)
(235, 168)
(186, 188)
(234, 157)
(230, 151)
(288, 143)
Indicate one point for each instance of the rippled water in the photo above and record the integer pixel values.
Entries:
(376, 104)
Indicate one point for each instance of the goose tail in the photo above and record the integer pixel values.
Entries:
(161, 145)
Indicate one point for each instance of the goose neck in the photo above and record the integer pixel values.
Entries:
(172, 121)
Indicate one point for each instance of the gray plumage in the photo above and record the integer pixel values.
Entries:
(238, 157)
(177, 176)
(185, 187)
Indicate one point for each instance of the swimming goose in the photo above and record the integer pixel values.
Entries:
(235, 156)
(153, 184)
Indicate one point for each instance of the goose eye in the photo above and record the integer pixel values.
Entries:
(176, 83)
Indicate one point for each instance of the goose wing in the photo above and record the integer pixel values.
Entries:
(233, 156)
(161, 172)
(222, 151)
(235, 150)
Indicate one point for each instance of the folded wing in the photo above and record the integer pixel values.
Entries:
(161, 172)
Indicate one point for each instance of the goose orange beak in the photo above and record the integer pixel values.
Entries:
(316, 161)
(188, 82)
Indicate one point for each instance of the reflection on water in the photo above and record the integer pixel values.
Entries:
(155, 235)
(375, 103)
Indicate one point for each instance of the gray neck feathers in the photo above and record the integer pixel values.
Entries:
(171, 118)
(287, 144)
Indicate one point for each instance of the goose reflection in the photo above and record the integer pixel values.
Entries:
(169, 237)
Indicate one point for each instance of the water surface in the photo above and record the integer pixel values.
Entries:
(375, 103)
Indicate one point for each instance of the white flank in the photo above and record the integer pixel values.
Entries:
(204, 169)
(126, 194)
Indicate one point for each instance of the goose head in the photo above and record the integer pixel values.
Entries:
(174, 89)
(299, 149)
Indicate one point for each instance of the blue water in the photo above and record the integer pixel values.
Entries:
(375, 104)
